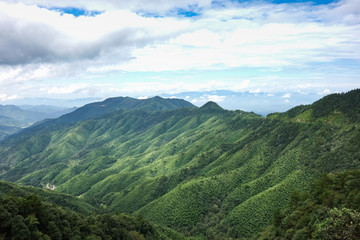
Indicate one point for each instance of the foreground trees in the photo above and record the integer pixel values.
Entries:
(30, 218)
(329, 210)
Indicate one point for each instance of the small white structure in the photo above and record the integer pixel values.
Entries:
(50, 186)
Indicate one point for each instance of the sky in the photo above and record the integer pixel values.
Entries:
(65, 49)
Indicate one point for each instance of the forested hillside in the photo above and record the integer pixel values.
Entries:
(205, 171)
(329, 210)
(24, 215)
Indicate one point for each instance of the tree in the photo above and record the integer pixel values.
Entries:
(19, 230)
(340, 225)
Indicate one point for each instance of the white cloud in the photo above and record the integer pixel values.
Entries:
(39, 44)
(324, 92)
(19, 74)
(41, 35)
(215, 42)
(169, 87)
(5, 97)
(196, 101)
(143, 97)
(150, 6)
(206, 98)
(287, 95)
(72, 88)
(215, 98)
(241, 86)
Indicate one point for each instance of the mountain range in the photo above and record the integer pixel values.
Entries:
(259, 102)
(204, 171)
(13, 118)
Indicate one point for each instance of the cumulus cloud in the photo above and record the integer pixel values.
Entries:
(10, 75)
(143, 97)
(32, 34)
(39, 42)
(206, 98)
(286, 95)
(324, 92)
(215, 98)
(5, 97)
(254, 36)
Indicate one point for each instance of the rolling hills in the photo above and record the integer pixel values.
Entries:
(204, 171)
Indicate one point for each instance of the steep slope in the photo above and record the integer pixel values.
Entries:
(63, 200)
(330, 210)
(338, 108)
(25, 215)
(204, 171)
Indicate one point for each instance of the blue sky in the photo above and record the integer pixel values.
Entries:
(98, 49)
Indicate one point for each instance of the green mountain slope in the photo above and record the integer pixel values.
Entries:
(67, 202)
(93, 110)
(340, 108)
(96, 109)
(330, 210)
(204, 171)
(26, 215)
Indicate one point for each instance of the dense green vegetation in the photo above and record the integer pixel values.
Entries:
(203, 171)
(64, 201)
(330, 210)
(336, 108)
(29, 217)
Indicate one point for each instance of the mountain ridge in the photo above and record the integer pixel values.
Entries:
(337, 108)
(214, 174)
(96, 109)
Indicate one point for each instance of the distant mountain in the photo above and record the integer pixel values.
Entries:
(259, 102)
(61, 103)
(53, 111)
(7, 131)
(109, 105)
(205, 171)
(262, 103)
(96, 109)
(13, 118)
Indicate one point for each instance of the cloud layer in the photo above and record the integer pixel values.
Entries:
(39, 42)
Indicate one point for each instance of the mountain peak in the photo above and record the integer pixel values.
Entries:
(211, 105)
